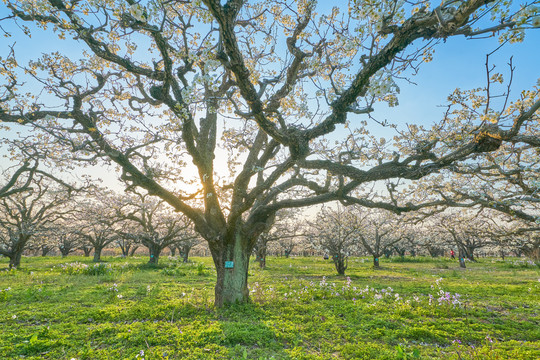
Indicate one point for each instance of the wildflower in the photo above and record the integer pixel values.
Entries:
(119, 296)
(14, 317)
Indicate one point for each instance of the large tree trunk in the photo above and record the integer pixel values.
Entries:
(185, 253)
(232, 262)
(340, 262)
(376, 261)
(97, 253)
(15, 259)
(16, 253)
(155, 251)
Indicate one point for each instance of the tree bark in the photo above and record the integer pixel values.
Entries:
(97, 254)
(340, 262)
(231, 285)
(133, 249)
(64, 251)
(87, 251)
(462, 259)
(185, 254)
(45, 250)
(261, 256)
(15, 259)
(376, 261)
(155, 251)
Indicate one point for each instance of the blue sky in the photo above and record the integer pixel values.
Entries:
(457, 63)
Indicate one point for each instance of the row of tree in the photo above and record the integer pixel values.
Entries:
(341, 232)
(47, 215)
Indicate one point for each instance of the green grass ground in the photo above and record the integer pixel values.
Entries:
(422, 308)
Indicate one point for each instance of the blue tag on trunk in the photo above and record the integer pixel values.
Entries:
(229, 264)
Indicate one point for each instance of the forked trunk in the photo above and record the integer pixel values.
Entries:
(87, 251)
(64, 251)
(45, 250)
(232, 263)
(133, 249)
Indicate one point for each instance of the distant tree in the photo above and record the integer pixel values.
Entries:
(67, 243)
(86, 248)
(25, 214)
(334, 231)
(185, 242)
(99, 222)
(463, 230)
(287, 245)
(284, 229)
(378, 232)
(127, 245)
(156, 227)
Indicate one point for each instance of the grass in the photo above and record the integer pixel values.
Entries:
(426, 308)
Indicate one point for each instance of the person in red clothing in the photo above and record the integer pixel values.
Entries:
(452, 254)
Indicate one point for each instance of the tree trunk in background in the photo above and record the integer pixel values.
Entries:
(376, 261)
(97, 253)
(340, 262)
(260, 253)
(133, 249)
(462, 259)
(155, 251)
(15, 259)
(87, 251)
(185, 253)
(64, 251)
(45, 250)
